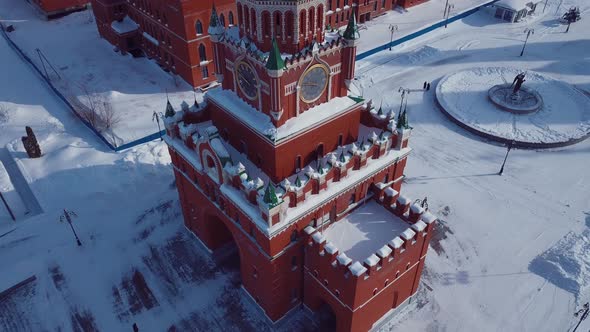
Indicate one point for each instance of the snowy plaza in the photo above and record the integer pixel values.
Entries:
(509, 252)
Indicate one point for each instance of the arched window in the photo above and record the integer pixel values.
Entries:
(240, 19)
(222, 19)
(289, 18)
(320, 150)
(253, 17)
(312, 21)
(320, 17)
(202, 53)
(199, 27)
(278, 24)
(302, 23)
(246, 18)
(265, 24)
(231, 18)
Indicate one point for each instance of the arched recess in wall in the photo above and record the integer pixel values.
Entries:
(265, 24)
(199, 27)
(289, 21)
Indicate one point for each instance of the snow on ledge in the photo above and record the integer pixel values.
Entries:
(384, 251)
(390, 192)
(428, 218)
(125, 26)
(308, 230)
(330, 248)
(396, 243)
(403, 200)
(343, 259)
(318, 237)
(408, 234)
(416, 208)
(357, 269)
(419, 226)
(372, 260)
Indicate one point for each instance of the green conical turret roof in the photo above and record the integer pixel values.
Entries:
(352, 30)
(270, 197)
(215, 27)
(298, 181)
(275, 61)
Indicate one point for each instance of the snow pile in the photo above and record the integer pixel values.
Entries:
(567, 264)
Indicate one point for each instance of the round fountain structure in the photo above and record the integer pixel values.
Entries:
(503, 104)
(524, 101)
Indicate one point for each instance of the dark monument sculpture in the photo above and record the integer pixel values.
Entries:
(30, 143)
(517, 83)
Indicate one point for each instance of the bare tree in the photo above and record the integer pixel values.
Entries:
(95, 108)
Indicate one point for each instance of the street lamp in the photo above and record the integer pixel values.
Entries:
(528, 33)
(156, 117)
(448, 12)
(67, 216)
(509, 147)
(393, 28)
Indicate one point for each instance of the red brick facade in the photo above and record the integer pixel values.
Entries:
(173, 33)
(272, 192)
(56, 8)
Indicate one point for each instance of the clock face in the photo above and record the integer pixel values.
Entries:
(247, 80)
(313, 83)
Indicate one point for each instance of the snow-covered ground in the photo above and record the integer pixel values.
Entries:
(510, 252)
(376, 32)
(88, 64)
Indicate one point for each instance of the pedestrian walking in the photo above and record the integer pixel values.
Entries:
(135, 328)
(428, 87)
(424, 87)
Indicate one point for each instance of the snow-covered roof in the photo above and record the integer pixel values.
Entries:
(515, 4)
(365, 230)
(126, 25)
(343, 259)
(372, 260)
(397, 242)
(357, 269)
(261, 122)
(384, 251)
(330, 248)
(419, 226)
(408, 234)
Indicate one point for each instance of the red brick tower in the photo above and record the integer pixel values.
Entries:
(303, 177)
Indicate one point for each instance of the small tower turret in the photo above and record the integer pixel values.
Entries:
(350, 36)
(216, 30)
(275, 66)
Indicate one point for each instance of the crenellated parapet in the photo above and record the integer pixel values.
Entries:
(355, 282)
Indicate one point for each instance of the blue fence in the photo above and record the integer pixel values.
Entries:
(158, 134)
(421, 32)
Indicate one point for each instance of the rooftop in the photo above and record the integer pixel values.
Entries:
(366, 230)
(261, 122)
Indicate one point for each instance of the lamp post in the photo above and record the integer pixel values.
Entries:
(528, 33)
(67, 216)
(393, 28)
(156, 117)
(583, 313)
(509, 147)
(448, 12)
